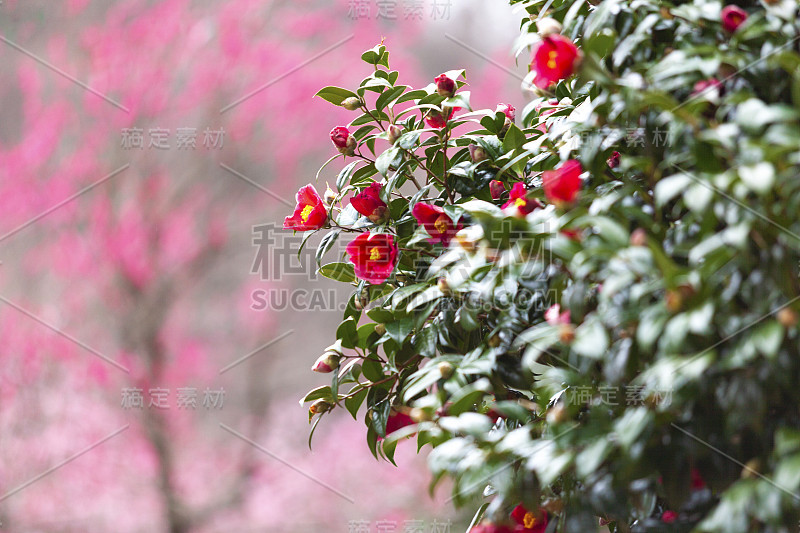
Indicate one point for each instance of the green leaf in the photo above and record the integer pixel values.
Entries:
(335, 95)
(344, 272)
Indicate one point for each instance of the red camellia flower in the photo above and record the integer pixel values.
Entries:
(444, 85)
(368, 202)
(508, 110)
(531, 522)
(436, 222)
(519, 204)
(732, 18)
(310, 213)
(613, 161)
(554, 59)
(436, 119)
(562, 184)
(397, 420)
(668, 517)
(496, 189)
(374, 256)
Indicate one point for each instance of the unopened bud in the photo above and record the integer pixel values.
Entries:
(443, 286)
(446, 370)
(566, 333)
(320, 406)
(496, 189)
(330, 195)
(787, 317)
(350, 147)
(393, 133)
(352, 103)
(494, 341)
(445, 86)
(673, 300)
(380, 329)
(548, 26)
(327, 362)
(477, 153)
(639, 237)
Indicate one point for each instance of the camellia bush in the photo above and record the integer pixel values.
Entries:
(587, 309)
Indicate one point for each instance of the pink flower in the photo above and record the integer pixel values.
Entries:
(507, 109)
(436, 222)
(668, 517)
(732, 18)
(613, 161)
(555, 317)
(519, 204)
(374, 256)
(554, 59)
(561, 185)
(444, 85)
(310, 213)
(368, 202)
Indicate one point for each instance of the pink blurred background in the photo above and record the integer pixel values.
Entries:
(127, 268)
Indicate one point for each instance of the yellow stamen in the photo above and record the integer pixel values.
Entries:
(551, 61)
(529, 520)
(306, 212)
(440, 224)
(519, 202)
(374, 254)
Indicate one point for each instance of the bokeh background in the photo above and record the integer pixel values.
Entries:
(130, 270)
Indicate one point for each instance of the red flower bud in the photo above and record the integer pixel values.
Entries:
(343, 141)
(327, 363)
(496, 189)
(436, 222)
(554, 59)
(507, 109)
(437, 119)
(668, 517)
(531, 521)
(561, 185)
(444, 85)
(368, 202)
(520, 205)
(374, 256)
(732, 18)
(613, 161)
(310, 213)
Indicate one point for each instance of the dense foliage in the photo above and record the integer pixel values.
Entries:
(591, 314)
